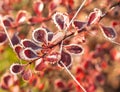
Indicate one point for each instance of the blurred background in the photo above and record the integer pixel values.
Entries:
(97, 69)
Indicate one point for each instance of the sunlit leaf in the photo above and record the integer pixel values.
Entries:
(18, 48)
(3, 38)
(53, 57)
(38, 7)
(57, 38)
(94, 17)
(29, 43)
(26, 74)
(66, 59)
(7, 21)
(108, 32)
(74, 49)
(10, 18)
(7, 80)
(16, 68)
(40, 35)
(61, 20)
(79, 24)
(21, 16)
(50, 36)
(40, 65)
(28, 54)
(15, 39)
(35, 19)
(52, 6)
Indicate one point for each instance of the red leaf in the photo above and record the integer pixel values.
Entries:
(7, 20)
(88, 65)
(53, 57)
(28, 54)
(38, 7)
(60, 84)
(94, 17)
(21, 16)
(16, 68)
(50, 36)
(6, 81)
(15, 39)
(18, 48)
(57, 38)
(61, 20)
(36, 19)
(79, 24)
(66, 59)
(3, 38)
(74, 49)
(29, 43)
(40, 35)
(34, 80)
(52, 7)
(26, 74)
(40, 65)
(108, 32)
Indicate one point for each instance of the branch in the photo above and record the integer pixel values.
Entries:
(30, 24)
(110, 9)
(67, 36)
(116, 4)
(73, 77)
(84, 29)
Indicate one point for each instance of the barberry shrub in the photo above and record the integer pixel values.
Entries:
(42, 38)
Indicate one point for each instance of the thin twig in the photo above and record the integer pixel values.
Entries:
(81, 6)
(116, 4)
(84, 29)
(109, 10)
(73, 77)
(62, 44)
(2, 24)
(117, 43)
